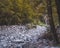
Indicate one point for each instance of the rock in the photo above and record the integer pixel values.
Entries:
(18, 37)
(18, 41)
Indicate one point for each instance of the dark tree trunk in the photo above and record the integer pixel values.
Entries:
(58, 8)
(52, 26)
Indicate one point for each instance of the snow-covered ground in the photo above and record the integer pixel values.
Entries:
(16, 36)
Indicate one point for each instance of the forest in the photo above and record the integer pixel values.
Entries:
(23, 16)
(25, 11)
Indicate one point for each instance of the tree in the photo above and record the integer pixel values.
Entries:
(52, 27)
(58, 8)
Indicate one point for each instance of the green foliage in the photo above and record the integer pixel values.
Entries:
(23, 11)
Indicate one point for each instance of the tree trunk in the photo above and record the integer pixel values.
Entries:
(58, 8)
(51, 23)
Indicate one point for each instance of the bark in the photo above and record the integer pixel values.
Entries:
(51, 22)
(58, 8)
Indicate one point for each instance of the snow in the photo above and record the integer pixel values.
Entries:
(18, 35)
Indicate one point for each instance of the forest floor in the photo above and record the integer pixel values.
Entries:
(17, 36)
